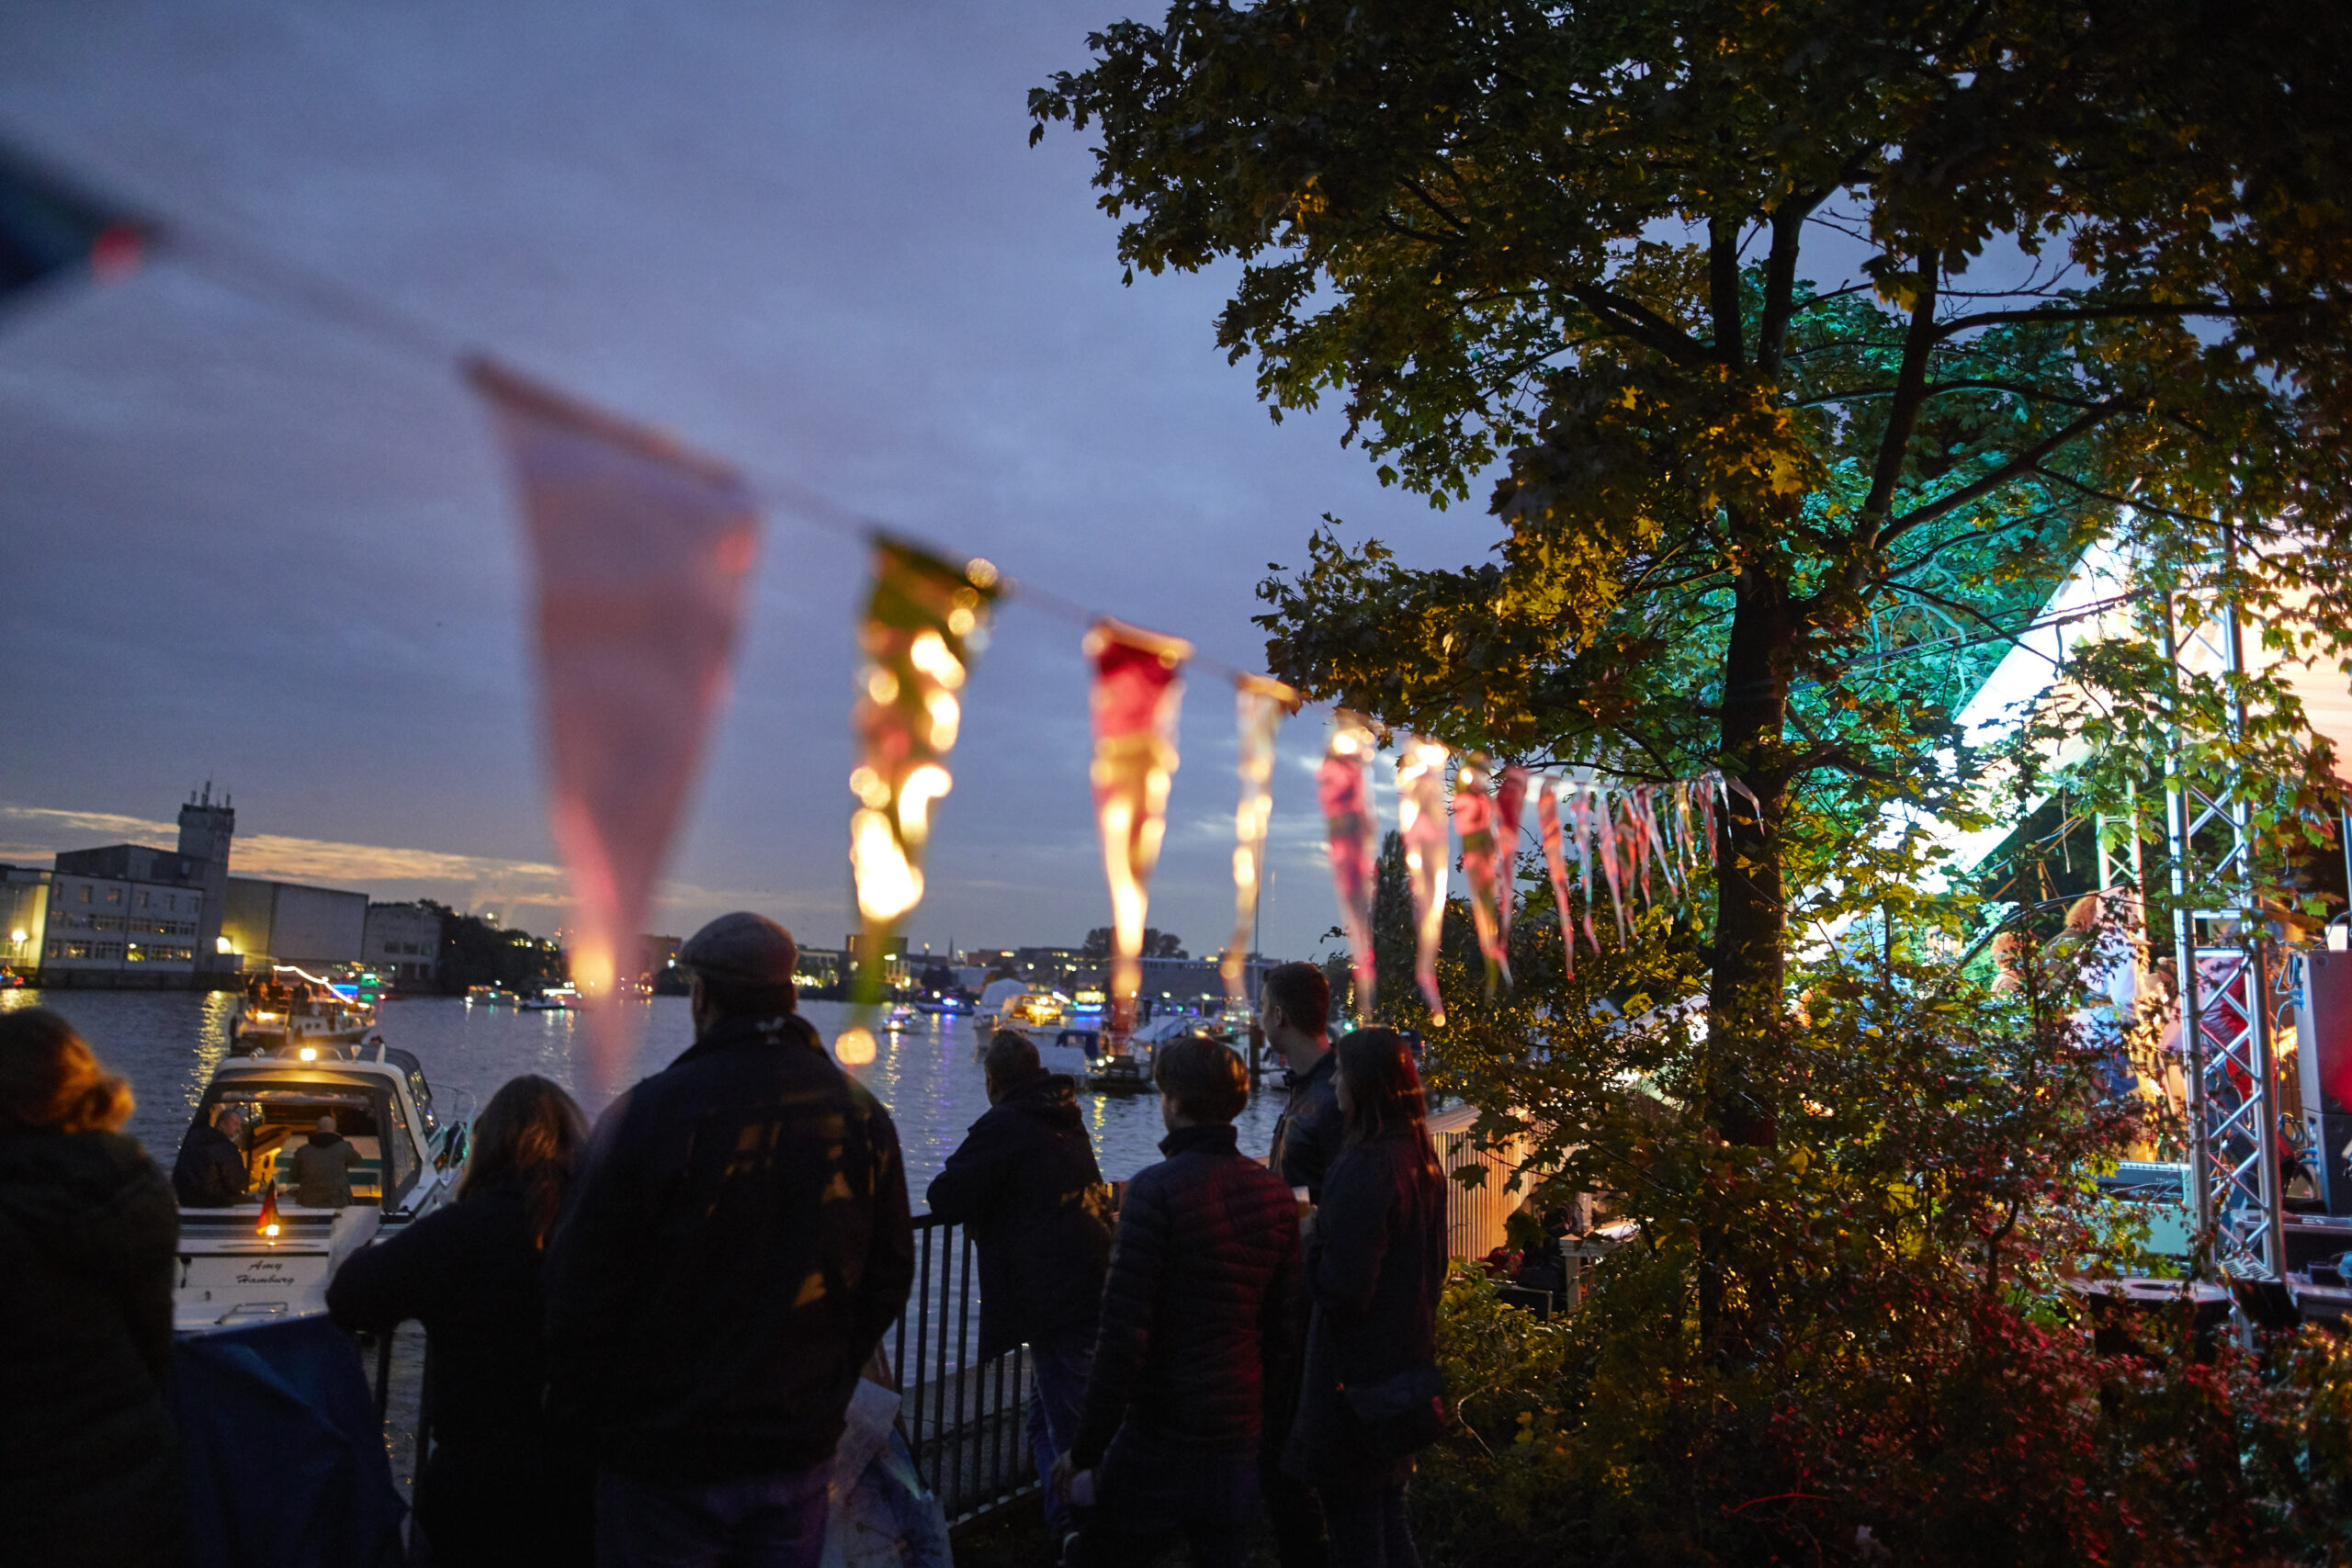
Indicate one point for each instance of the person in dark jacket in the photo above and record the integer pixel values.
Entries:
(502, 1486)
(323, 1166)
(1295, 1009)
(89, 1457)
(210, 1172)
(1375, 1267)
(737, 1244)
(1196, 1325)
(1024, 1182)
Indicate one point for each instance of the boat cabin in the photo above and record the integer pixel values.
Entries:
(381, 1102)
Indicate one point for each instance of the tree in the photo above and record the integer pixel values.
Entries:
(2086, 276)
(1157, 943)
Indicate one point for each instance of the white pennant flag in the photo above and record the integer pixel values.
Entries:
(641, 548)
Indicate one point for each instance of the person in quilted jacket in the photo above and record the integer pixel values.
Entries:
(1196, 1329)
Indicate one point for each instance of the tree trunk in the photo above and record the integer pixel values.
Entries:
(1744, 1003)
(1744, 1027)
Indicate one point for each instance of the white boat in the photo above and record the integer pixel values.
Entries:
(267, 1255)
(291, 1008)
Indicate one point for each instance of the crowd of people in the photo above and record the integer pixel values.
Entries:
(645, 1340)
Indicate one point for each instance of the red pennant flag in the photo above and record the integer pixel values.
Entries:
(1511, 796)
(1473, 821)
(1351, 831)
(1580, 823)
(1421, 822)
(1547, 830)
(1611, 863)
(641, 548)
(1136, 692)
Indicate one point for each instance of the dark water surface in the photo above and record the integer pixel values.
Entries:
(167, 1043)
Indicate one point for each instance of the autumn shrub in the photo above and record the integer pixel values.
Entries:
(1867, 1342)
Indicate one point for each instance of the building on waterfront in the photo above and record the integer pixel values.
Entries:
(131, 915)
(286, 922)
(402, 942)
(23, 916)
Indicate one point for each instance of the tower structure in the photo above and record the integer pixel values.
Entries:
(206, 830)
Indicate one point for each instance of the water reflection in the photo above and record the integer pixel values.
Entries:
(167, 1043)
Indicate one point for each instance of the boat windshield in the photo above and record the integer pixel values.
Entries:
(280, 1114)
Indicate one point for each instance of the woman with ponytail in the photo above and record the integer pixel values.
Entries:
(500, 1486)
(89, 1460)
(1375, 1267)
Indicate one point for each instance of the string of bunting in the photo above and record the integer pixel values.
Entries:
(641, 547)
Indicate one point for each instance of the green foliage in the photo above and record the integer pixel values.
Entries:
(475, 952)
(1915, 1362)
(1746, 519)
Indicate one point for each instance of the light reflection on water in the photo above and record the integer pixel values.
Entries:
(167, 1043)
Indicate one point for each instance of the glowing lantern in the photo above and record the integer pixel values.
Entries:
(1136, 695)
(925, 620)
(1351, 831)
(1258, 707)
(1421, 823)
(267, 1224)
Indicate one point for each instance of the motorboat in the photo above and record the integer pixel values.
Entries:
(270, 1257)
(491, 997)
(290, 1007)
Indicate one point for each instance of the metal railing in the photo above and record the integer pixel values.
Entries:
(964, 1415)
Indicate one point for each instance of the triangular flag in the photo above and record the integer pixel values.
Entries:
(48, 230)
(641, 549)
(1259, 706)
(1556, 865)
(1351, 836)
(1581, 826)
(1510, 799)
(926, 620)
(1474, 822)
(1606, 821)
(1421, 823)
(1137, 692)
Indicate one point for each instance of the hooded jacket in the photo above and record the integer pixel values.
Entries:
(89, 1459)
(1026, 1184)
(1197, 1314)
(735, 1246)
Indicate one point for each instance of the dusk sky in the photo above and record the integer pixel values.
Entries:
(241, 543)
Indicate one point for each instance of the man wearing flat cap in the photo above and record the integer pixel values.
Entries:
(734, 1249)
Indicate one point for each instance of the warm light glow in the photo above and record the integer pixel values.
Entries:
(270, 1229)
(960, 620)
(923, 785)
(929, 654)
(982, 573)
(886, 886)
(309, 1053)
(945, 717)
(883, 687)
(853, 1047)
(869, 787)
(221, 944)
(18, 934)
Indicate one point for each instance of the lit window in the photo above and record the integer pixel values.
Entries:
(85, 895)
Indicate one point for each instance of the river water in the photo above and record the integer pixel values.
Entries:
(167, 1043)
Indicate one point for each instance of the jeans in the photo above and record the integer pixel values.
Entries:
(1147, 1493)
(1059, 1365)
(756, 1521)
(1369, 1529)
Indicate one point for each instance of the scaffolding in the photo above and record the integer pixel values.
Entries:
(2227, 960)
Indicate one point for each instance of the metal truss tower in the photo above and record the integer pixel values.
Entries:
(2228, 1022)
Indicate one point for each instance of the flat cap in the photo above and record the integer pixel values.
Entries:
(748, 949)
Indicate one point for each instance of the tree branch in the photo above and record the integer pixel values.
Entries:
(2147, 308)
(2024, 462)
(1722, 290)
(1638, 322)
(1910, 392)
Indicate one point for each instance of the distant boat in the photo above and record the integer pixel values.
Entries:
(291, 1008)
(490, 997)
